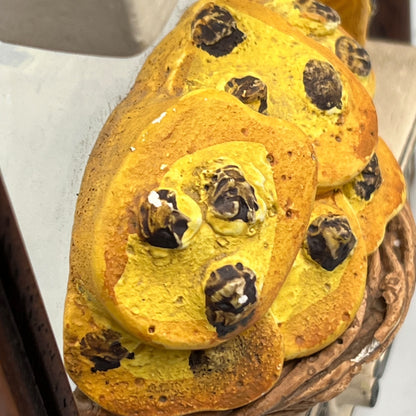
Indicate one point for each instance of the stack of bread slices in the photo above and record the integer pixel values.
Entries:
(228, 217)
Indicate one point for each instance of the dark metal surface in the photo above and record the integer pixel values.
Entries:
(391, 20)
(29, 357)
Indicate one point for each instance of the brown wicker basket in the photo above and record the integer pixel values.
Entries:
(324, 375)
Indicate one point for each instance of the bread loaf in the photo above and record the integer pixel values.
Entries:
(302, 81)
(227, 212)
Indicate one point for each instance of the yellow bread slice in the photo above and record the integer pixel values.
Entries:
(323, 24)
(129, 378)
(274, 68)
(377, 194)
(222, 274)
(324, 289)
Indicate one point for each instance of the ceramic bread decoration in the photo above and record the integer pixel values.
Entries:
(230, 218)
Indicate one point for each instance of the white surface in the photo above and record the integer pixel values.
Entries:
(105, 27)
(48, 127)
(52, 106)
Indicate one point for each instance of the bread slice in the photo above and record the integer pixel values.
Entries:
(377, 194)
(274, 68)
(323, 24)
(127, 377)
(191, 273)
(326, 285)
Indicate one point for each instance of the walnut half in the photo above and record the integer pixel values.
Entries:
(215, 31)
(231, 297)
(330, 240)
(162, 222)
(322, 84)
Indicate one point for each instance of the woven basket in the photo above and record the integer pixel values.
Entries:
(324, 375)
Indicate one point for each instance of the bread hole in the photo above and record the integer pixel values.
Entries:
(270, 158)
(300, 340)
(327, 286)
(179, 300)
(151, 329)
(139, 381)
(163, 399)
